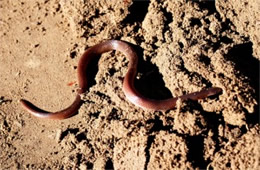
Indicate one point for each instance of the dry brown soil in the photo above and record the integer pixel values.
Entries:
(183, 46)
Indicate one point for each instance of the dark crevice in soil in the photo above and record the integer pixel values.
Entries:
(195, 21)
(206, 4)
(196, 143)
(237, 131)
(246, 63)
(228, 26)
(214, 121)
(253, 119)
(113, 115)
(225, 39)
(82, 136)
(204, 59)
(79, 136)
(3, 100)
(137, 11)
(69, 130)
(226, 29)
(79, 158)
(92, 71)
(195, 154)
(94, 114)
(87, 24)
(104, 96)
(168, 20)
(150, 141)
(89, 165)
(109, 164)
(150, 83)
(157, 125)
(248, 67)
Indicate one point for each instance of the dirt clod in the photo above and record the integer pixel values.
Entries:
(183, 46)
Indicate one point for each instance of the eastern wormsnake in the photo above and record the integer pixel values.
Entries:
(128, 85)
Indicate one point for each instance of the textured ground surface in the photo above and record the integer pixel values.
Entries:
(183, 45)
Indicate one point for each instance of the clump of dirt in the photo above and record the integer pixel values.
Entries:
(241, 14)
(183, 46)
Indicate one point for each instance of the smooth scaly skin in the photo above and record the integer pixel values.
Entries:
(128, 85)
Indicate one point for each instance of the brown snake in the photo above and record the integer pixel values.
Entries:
(128, 85)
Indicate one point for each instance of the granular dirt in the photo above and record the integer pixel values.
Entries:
(183, 46)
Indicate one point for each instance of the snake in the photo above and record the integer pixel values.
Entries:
(129, 89)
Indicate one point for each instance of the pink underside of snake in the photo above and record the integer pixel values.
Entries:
(128, 85)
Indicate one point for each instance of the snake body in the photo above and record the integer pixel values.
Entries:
(128, 84)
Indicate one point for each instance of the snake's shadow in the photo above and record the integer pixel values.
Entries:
(150, 82)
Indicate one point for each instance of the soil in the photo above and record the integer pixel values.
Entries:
(183, 46)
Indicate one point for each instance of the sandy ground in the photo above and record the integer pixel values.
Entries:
(184, 46)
